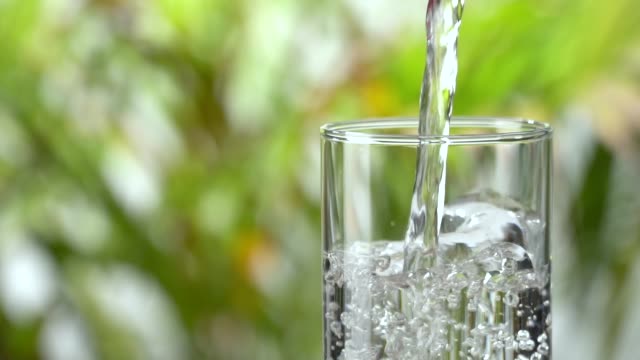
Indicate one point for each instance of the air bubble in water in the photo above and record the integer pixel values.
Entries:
(509, 266)
(330, 315)
(536, 356)
(526, 345)
(474, 351)
(522, 335)
(336, 328)
(509, 343)
(511, 299)
(531, 323)
(329, 290)
(468, 342)
(482, 329)
(382, 263)
(542, 338)
(474, 287)
(471, 306)
(453, 300)
(347, 319)
(543, 348)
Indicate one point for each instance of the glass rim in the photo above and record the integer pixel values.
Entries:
(511, 130)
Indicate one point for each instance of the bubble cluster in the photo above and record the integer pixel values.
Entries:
(468, 307)
(482, 296)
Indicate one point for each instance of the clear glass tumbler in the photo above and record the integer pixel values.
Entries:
(487, 294)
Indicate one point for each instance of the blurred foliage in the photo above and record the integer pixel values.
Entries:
(159, 161)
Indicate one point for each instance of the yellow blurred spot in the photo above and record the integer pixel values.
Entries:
(379, 100)
(616, 113)
(256, 258)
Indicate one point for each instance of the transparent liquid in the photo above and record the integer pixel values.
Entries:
(443, 22)
(486, 295)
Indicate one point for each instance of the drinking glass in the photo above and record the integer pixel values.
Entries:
(487, 294)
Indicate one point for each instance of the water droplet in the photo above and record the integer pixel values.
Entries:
(536, 356)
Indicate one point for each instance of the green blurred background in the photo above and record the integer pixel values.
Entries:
(159, 163)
